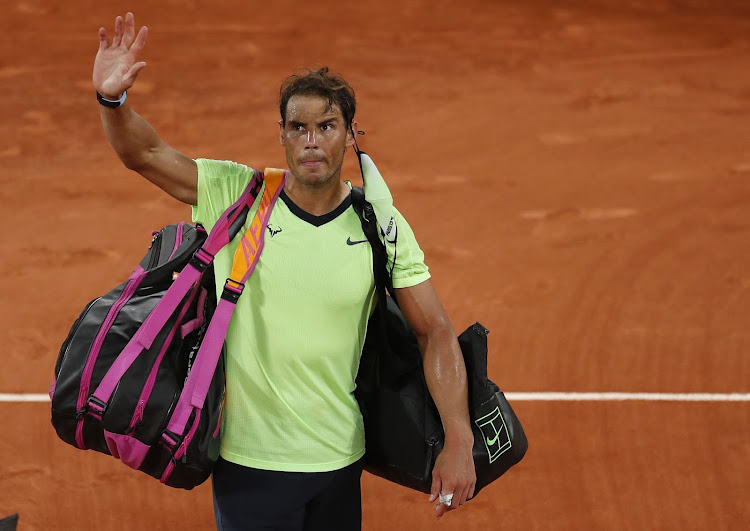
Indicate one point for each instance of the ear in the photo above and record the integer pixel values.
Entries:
(351, 134)
(281, 132)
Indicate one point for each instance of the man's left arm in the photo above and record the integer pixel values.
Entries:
(445, 373)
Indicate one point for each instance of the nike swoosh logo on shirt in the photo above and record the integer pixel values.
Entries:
(350, 242)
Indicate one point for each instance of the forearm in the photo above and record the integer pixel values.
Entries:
(131, 136)
(445, 372)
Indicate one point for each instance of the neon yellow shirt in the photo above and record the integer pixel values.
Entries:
(296, 336)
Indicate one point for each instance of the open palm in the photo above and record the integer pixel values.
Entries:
(115, 66)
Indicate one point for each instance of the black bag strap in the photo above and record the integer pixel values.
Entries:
(390, 340)
(369, 374)
(366, 213)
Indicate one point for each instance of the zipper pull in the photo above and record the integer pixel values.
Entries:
(183, 449)
(139, 412)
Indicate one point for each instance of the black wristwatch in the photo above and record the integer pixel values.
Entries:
(112, 104)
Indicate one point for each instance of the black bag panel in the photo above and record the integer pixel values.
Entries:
(391, 351)
(172, 370)
(62, 354)
(473, 343)
(75, 350)
(64, 423)
(203, 451)
(410, 450)
(122, 330)
(402, 357)
(499, 439)
(124, 400)
(93, 435)
(396, 404)
(156, 461)
(408, 477)
(187, 476)
(196, 465)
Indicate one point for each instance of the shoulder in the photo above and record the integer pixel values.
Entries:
(220, 183)
(210, 169)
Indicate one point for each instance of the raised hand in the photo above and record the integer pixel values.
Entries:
(115, 66)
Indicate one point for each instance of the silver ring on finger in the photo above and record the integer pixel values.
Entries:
(446, 499)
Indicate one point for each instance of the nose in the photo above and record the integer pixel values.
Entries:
(311, 142)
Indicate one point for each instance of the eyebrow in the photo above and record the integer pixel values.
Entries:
(295, 123)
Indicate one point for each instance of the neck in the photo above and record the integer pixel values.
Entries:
(316, 200)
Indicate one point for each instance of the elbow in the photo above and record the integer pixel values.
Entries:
(136, 162)
(438, 329)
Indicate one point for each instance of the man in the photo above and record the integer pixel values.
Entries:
(292, 434)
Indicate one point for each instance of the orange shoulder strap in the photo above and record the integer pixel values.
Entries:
(247, 253)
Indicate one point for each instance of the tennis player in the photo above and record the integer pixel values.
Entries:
(292, 440)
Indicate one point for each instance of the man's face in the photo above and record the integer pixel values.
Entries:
(315, 138)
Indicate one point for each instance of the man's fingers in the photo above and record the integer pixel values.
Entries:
(436, 485)
(463, 497)
(140, 40)
(128, 30)
(131, 74)
(103, 39)
(117, 39)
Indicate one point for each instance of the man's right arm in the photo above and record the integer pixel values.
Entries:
(140, 149)
(132, 137)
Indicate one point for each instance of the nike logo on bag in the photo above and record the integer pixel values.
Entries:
(350, 242)
(492, 441)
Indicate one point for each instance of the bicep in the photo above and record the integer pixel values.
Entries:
(172, 171)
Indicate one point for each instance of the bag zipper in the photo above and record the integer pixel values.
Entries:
(182, 449)
(431, 442)
(83, 395)
(151, 380)
(155, 249)
(177, 239)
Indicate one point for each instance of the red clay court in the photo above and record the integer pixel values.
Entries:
(577, 172)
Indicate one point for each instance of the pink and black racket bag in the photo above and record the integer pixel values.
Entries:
(141, 374)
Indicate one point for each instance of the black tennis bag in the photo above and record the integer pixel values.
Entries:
(137, 410)
(141, 374)
(403, 431)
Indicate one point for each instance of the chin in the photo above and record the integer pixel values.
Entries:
(312, 176)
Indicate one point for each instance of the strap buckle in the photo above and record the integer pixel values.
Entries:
(201, 259)
(232, 290)
(96, 407)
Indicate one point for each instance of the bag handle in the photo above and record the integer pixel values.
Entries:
(245, 259)
(223, 231)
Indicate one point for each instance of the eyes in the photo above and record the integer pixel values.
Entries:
(325, 127)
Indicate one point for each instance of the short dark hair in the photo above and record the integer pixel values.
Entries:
(321, 82)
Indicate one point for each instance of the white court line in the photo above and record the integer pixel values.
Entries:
(538, 397)
(648, 397)
(23, 397)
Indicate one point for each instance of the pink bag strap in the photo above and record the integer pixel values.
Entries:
(199, 380)
(225, 229)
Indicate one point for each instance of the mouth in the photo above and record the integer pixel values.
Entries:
(311, 163)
